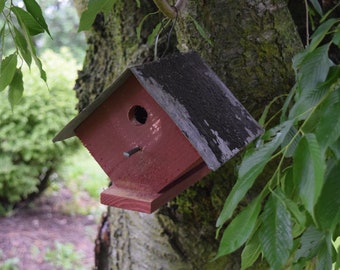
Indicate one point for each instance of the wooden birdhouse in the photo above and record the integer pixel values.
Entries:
(159, 128)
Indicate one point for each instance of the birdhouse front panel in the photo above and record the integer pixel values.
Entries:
(135, 141)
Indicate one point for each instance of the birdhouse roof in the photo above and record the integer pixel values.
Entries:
(198, 102)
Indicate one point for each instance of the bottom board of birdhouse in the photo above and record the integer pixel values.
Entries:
(148, 202)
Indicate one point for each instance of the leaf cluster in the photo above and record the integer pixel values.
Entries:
(295, 220)
(21, 24)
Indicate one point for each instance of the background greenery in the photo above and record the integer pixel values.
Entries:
(29, 161)
(63, 20)
(27, 154)
(28, 158)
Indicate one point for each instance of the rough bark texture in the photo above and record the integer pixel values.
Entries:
(253, 43)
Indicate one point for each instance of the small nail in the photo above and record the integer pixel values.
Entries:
(132, 151)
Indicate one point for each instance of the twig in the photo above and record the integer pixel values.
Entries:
(307, 23)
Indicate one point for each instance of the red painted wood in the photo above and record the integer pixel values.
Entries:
(148, 202)
(108, 132)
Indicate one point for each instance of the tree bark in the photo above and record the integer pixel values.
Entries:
(253, 44)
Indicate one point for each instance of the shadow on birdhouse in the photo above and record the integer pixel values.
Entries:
(159, 128)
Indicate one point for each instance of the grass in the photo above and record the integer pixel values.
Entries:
(82, 171)
(64, 256)
(8, 264)
(81, 175)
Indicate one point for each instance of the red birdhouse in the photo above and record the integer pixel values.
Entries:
(159, 128)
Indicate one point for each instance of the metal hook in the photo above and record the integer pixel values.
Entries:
(163, 26)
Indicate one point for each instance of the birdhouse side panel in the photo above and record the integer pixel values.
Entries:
(136, 142)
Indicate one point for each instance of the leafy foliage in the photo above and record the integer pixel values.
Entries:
(21, 25)
(300, 203)
(26, 149)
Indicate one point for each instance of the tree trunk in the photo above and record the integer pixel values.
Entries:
(253, 44)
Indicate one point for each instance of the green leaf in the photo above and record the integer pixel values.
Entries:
(240, 228)
(8, 68)
(251, 252)
(320, 33)
(324, 257)
(317, 6)
(336, 36)
(16, 88)
(337, 263)
(250, 169)
(287, 182)
(21, 43)
(34, 9)
(309, 100)
(89, 15)
(310, 243)
(327, 208)
(335, 147)
(25, 18)
(263, 117)
(298, 215)
(314, 68)
(2, 41)
(305, 102)
(2, 5)
(154, 33)
(328, 128)
(32, 50)
(287, 103)
(291, 141)
(276, 233)
(2, 36)
(202, 32)
(140, 25)
(309, 169)
(330, 11)
(41, 69)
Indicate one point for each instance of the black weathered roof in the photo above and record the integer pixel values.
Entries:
(198, 102)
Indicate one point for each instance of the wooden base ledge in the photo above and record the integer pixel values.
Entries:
(149, 202)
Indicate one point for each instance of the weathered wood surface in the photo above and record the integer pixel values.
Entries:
(199, 103)
(108, 132)
(165, 154)
(147, 201)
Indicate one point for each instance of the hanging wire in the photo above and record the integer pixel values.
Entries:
(170, 32)
(164, 25)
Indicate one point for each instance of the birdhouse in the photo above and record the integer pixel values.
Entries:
(159, 128)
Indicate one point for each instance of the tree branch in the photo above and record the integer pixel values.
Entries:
(167, 10)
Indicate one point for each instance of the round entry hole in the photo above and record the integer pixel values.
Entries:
(138, 115)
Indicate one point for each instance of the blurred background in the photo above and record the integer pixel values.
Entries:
(49, 193)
